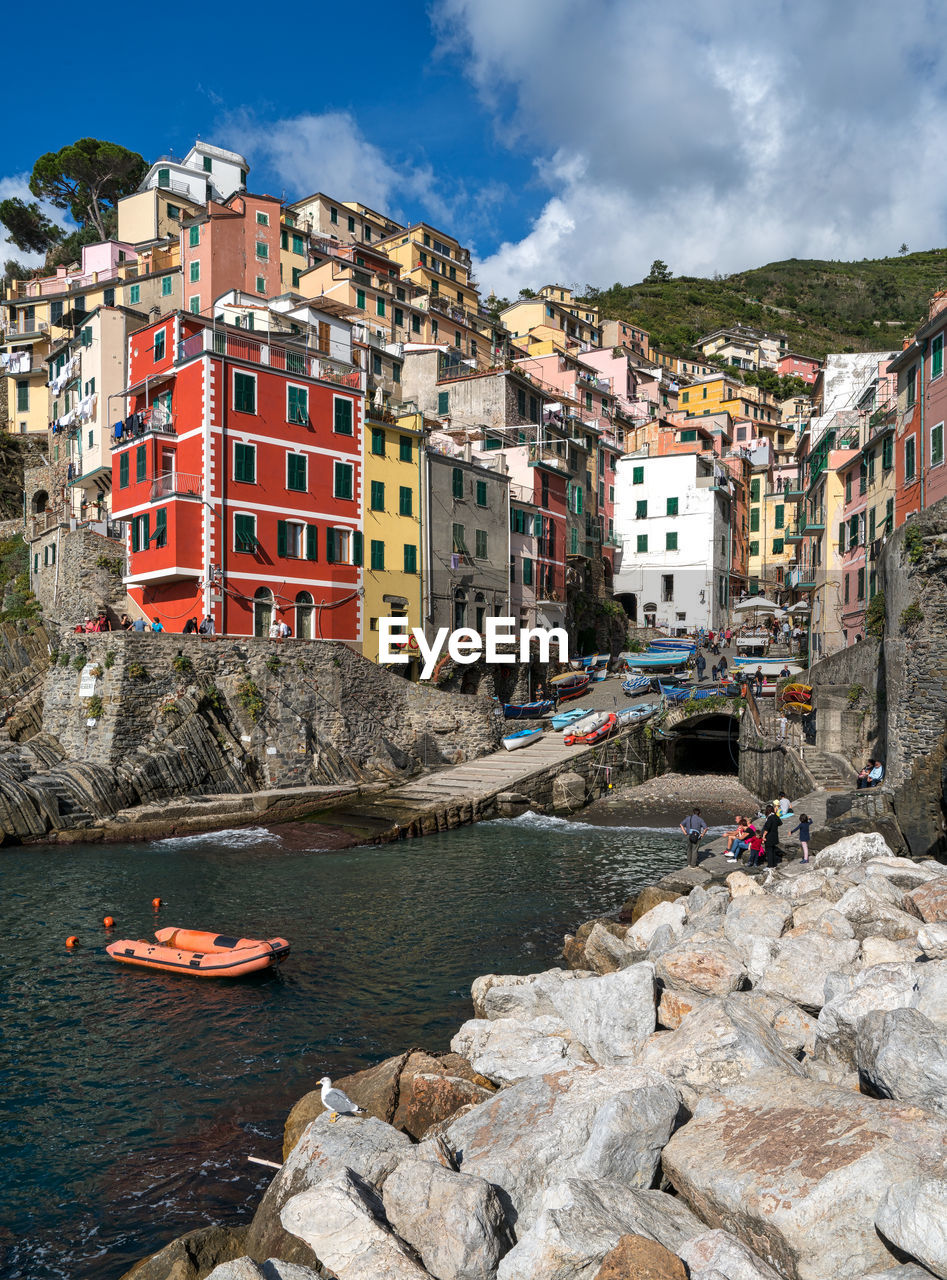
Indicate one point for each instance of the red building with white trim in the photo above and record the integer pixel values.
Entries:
(238, 468)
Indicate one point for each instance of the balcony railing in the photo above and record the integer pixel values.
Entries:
(814, 519)
(176, 484)
(42, 523)
(793, 532)
(539, 456)
(155, 421)
(301, 362)
(20, 331)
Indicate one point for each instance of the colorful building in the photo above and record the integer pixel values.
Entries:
(231, 245)
(792, 365)
(921, 415)
(541, 326)
(238, 469)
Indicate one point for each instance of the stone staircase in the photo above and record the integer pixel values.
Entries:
(830, 772)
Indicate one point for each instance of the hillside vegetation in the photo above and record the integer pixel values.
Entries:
(821, 306)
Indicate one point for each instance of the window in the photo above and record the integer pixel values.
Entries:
(754, 490)
(297, 404)
(458, 542)
(688, 437)
(777, 546)
(780, 521)
(887, 453)
(754, 548)
(872, 585)
(405, 452)
(405, 501)
(22, 396)
(297, 272)
(642, 542)
(195, 304)
(937, 445)
(909, 458)
(637, 475)
(860, 591)
(395, 371)
(399, 317)
(141, 533)
(193, 237)
(376, 364)
(261, 284)
(871, 467)
(671, 506)
(161, 527)
(244, 463)
(343, 480)
(194, 272)
(670, 542)
(244, 533)
(481, 544)
(685, 398)
(853, 532)
(667, 587)
(159, 345)
(141, 462)
(296, 478)
(244, 392)
(299, 245)
(847, 594)
(208, 167)
(415, 324)
(457, 482)
(911, 387)
(289, 539)
(262, 250)
(443, 402)
(167, 286)
(134, 293)
(123, 471)
(377, 554)
(262, 218)
(360, 299)
(410, 558)
(527, 571)
(481, 493)
(937, 356)
(342, 424)
(378, 441)
(871, 525)
(754, 519)
(164, 178)
(641, 509)
(333, 214)
(380, 305)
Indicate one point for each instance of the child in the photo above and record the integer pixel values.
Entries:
(755, 846)
(804, 828)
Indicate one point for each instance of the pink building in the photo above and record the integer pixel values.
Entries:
(793, 366)
(235, 245)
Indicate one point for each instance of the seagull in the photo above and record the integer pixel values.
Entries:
(338, 1103)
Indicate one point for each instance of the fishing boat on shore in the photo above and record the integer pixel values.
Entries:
(562, 719)
(770, 666)
(528, 710)
(200, 954)
(635, 715)
(667, 660)
(570, 684)
(635, 685)
(584, 731)
(523, 738)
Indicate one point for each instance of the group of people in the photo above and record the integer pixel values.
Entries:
(758, 838)
(92, 625)
(280, 630)
(871, 775)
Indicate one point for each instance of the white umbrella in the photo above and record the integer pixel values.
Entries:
(799, 607)
(756, 602)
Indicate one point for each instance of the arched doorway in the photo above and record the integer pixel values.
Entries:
(629, 602)
(40, 502)
(262, 611)
(304, 615)
(460, 608)
(480, 611)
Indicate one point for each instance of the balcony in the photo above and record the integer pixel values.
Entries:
(813, 521)
(541, 456)
(176, 484)
(793, 532)
(22, 332)
(300, 361)
(156, 421)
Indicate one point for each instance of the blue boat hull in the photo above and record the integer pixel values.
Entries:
(527, 710)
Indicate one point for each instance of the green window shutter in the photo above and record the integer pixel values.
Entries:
(343, 480)
(457, 539)
(887, 453)
(296, 477)
(537, 526)
(481, 544)
(410, 558)
(777, 546)
(670, 542)
(457, 482)
(378, 441)
(755, 490)
(642, 542)
(672, 506)
(123, 471)
(754, 548)
(244, 393)
(136, 539)
(527, 571)
(405, 452)
(573, 542)
(443, 402)
(296, 274)
(780, 516)
(871, 525)
(579, 500)
(937, 356)
(298, 405)
(405, 501)
(164, 178)
(377, 554)
(357, 545)
(145, 530)
(161, 527)
(380, 306)
(284, 239)
(167, 285)
(360, 299)
(330, 546)
(637, 475)
(281, 537)
(853, 531)
(378, 495)
(399, 318)
(244, 528)
(312, 542)
(754, 519)
(481, 493)
(193, 236)
(343, 416)
(194, 272)
(134, 293)
(298, 245)
(141, 462)
(641, 509)
(244, 463)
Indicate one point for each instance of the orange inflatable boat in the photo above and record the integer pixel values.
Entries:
(202, 955)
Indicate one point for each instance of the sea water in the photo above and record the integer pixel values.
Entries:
(131, 1099)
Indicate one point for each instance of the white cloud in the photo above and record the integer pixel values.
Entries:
(715, 137)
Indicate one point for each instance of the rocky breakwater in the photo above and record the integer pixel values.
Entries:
(746, 1083)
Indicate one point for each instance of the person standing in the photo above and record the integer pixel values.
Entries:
(157, 625)
(723, 666)
(728, 635)
(700, 663)
(206, 627)
(783, 726)
(693, 827)
(805, 830)
(758, 682)
(771, 835)
(125, 623)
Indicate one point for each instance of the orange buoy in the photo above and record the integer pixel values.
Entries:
(156, 903)
(72, 941)
(108, 922)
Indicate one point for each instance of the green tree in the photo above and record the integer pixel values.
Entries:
(527, 293)
(495, 305)
(27, 226)
(88, 178)
(659, 271)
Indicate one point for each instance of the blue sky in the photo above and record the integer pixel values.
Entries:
(560, 140)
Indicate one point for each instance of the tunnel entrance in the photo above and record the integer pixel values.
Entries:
(708, 745)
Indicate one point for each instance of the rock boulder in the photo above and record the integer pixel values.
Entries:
(913, 1216)
(901, 1054)
(638, 1258)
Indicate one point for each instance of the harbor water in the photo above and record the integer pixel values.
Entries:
(131, 1099)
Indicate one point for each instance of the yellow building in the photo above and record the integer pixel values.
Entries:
(294, 252)
(391, 478)
(436, 262)
(581, 310)
(720, 392)
(543, 325)
(153, 214)
(771, 554)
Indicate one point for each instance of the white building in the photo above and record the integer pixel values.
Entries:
(205, 173)
(673, 514)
